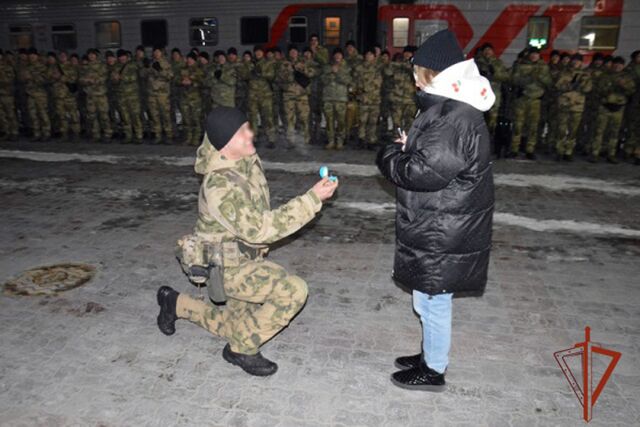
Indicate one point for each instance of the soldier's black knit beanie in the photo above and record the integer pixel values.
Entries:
(222, 123)
(438, 52)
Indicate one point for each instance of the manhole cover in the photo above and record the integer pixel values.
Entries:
(49, 280)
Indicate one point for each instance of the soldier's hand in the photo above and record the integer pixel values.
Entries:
(325, 188)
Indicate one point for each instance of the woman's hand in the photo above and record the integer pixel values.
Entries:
(325, 188)
(402, 139)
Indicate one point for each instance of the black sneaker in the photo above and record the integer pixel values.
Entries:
(531, 156)
(406, 362)
(167, 299)
(421, 378)
(567, 158)
(256, 364)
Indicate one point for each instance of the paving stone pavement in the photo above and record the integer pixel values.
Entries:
(93, 356)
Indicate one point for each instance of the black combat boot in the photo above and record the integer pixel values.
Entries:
(511, 155)
(406, 362)
(256, 364)
(612, 160)
(420, 378)
(531, 156)
(167, 300)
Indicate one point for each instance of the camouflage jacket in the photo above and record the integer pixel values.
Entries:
(321, 55)
(634, 71)
(7, 79)
(34, 77)
(494, 70)
(291, 88)
(125, 80)
(262, 73)
(223, 88)
(192, 90)
(533, 78)
(159, 80)
(572, 85)
(234, 202)
(403, 89)
(93, 78)
(369, 83)
(335, 85)
(615, 88)
(63, 78)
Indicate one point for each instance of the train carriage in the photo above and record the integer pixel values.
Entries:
(587, 26)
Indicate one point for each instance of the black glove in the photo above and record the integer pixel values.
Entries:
(146, 62)
(218, 74)
(156, 66)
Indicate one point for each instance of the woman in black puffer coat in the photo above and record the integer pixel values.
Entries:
(442, 170)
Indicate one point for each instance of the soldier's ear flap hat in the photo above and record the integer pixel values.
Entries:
(222, 123)
(192, 55)
(122, 52)
(32, 51)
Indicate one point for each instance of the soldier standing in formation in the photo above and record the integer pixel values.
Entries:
(336, 78)
(8, 120)
(632, 145)
(403, 91)
(34, 76)
(494, 70)
(191, 79)
(222, 80)
(368, 90)
(125, 79)
(261, 76)
(93, 79)
(64, 86)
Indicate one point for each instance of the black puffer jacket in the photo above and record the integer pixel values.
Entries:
(444, 199)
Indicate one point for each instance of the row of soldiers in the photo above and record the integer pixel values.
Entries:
(135, 94)
(565, 105)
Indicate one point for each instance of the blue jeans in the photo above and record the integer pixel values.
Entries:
(435, 316)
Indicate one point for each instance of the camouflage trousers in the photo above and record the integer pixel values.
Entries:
(402, 114)
(335, 113)
(8, 119)
(368, 130)
(527, 118)
(262, 105)
(38, 106)
(568, 125)
(492, 114)
(66, 109)
(130, 114)
(262, 298)
(191, 107)
(607, 126)
(587, 129)
(160, 113)
(352, 120)
(98, 116)
(297, 108)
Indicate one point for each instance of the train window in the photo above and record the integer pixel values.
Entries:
(332, 31)
(298, 29)
(154, 32)
(107, 34)
(538, 31)
(21, 36)
(64, 37)
(203, 31)
(400, 32)
(599, 33)
(254, 29)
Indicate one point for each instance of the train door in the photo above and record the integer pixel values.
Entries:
(424, 28)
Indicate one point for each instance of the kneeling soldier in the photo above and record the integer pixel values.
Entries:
(234, 228)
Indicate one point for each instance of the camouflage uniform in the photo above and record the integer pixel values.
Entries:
(385, 94)
(532, 79)
(632, 145)
(222, 80)
(403, 101)
(234, 211)
(64, 86)
(8, 120)
(590, 114)
(159, 86)
(572, 85)
(296, 97)
(192, 79)
(262, 74)
(175, 96)
(93, 78)
(335, 93)
(243, 75)
(614, 90)
(549, 113)
(279, 115)
(353, 108)
(143, 73)
(494, 70)
(368, 90)
(127, 89)
(34, 76)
